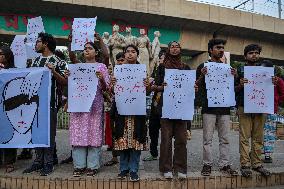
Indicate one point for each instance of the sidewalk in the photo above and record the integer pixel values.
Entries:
(150, 169)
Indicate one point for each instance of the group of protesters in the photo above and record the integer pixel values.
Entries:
(128, 135)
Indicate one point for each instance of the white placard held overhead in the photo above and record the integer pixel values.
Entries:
(83, 30)
(34, 27)
(220, 85)
(259, 91)
(19, 50)
(130, 92)
(82, 87)
(179, 94)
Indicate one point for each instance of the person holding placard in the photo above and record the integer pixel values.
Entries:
(46, 45)
(130, 131)
(7, 155)
(170, 128)
(86, 128)
(211, 116)
(270, 123)
(251, 124)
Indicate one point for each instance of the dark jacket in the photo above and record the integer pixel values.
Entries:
(140, 129)
(159, 79)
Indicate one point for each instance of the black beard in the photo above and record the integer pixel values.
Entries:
(39, 51)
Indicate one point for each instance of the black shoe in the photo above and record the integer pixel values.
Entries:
(262, 171)
(134, 177)
(245, 171)
(267, 160)
(34, 167)
(206, 170)
(228, 170)
(67, 160)
(47, 170)
(123, 174)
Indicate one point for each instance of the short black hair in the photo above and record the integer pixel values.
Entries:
(252, 47)
(60, 54)
(215, 41)
(133, 46)
(161, 53)
(9, 57)
(49, 40)
(119, 55)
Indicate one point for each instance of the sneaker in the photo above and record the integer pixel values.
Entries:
(181, 175)
(267, 160)
(92, 172)
(134, 177)
(228, 170)
(168, 175)
(34, 167)
(262, 171)
(123, 174)
(47, 170)
(206, 170)
(188, 134)
(150, 158)
(245, 171)
(78, 172)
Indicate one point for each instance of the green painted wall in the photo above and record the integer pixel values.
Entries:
(56, 26)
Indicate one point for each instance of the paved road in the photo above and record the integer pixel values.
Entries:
(150, 169)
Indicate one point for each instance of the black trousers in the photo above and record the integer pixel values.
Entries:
(45, 155)
(154, 129)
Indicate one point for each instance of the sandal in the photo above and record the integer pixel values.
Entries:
(92, 172)
(245, 171)
(111, 162)
(9, 168)
(78, 172)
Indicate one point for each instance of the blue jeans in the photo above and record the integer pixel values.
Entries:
(129, 160)
(86, 157)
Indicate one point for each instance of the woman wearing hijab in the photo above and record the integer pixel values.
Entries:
(171, 127)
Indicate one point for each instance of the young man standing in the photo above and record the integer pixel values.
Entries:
(211, 116)
(46, 45)
(251, 124)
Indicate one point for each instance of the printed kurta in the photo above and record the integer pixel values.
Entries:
(86, 129)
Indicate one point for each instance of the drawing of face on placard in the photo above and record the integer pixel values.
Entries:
(20, 104)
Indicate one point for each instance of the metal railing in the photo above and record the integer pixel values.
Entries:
(63, 119)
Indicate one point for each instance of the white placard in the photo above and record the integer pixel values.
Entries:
(220, 85)
(82, 87)
(130, 92)
(83, 30)
(179, 94)
(259, 91)
(34, 27)
(19, 50)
